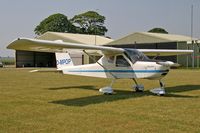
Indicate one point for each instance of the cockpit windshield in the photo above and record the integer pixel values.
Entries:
(134, 55)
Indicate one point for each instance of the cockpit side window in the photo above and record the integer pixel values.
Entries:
(111, 59)
(121, 61)
(135, 55)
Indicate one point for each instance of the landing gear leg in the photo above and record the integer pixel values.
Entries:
(162, 85)
(138, 87)
(108, 89)
(159, 91)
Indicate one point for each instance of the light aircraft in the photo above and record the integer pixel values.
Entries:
(115, 63)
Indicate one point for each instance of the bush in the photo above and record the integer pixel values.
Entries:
(8, 61)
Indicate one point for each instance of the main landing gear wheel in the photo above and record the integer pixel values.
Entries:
(108, 89)
(139, 88)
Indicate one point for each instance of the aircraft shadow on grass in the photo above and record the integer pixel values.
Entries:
(87, 87)
(120, 95)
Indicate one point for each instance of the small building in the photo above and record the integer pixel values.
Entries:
(146, 40)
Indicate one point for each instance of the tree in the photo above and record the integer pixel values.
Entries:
(57, 23)
(89, 23)
(158, 30)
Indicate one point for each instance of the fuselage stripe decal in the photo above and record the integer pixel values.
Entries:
(122, 71)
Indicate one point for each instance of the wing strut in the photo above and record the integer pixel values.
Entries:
(99, 64)
(156, 56)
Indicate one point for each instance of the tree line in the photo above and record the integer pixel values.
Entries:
(90, 22)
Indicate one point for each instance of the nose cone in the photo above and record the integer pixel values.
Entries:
(168, 64)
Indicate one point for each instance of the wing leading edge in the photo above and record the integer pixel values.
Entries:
(164, 52)
(60, 46)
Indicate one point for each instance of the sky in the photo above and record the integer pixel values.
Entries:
(20, 17)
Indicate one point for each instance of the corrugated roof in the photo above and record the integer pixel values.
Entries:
(75, 38)
(146, 37)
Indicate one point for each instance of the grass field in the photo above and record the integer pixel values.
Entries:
(52, 102)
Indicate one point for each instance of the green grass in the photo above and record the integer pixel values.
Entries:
(52, 102)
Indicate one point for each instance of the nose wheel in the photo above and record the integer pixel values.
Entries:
(159, 91)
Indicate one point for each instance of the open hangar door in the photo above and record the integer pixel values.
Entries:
(35, 59)
(41, 59)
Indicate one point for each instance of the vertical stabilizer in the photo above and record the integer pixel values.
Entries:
(63, 60)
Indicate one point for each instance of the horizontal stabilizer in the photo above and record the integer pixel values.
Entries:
(45, 70)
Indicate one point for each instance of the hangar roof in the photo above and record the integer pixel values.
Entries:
(75, 38)
(146, 37)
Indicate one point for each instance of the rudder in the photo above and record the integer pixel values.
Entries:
(63, 60)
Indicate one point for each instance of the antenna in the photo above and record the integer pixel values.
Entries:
(191, 22)
(192, 35)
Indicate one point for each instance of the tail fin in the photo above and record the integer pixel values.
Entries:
(63, 60)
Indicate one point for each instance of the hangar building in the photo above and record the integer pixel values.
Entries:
(43, 59)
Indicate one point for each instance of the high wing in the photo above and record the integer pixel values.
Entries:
(57, 46)
(60, 46)
(164, 52)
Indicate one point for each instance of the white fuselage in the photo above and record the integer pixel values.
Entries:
(106, 69)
